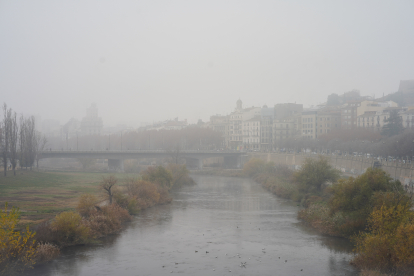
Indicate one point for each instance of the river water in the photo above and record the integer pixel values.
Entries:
(221, 226)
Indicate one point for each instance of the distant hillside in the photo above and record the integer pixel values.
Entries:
(404, 96)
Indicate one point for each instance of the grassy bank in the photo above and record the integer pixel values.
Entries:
(65, 209)
(42, 195)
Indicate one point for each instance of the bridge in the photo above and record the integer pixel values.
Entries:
(232, 159)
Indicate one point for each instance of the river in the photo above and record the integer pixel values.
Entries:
(221, 226)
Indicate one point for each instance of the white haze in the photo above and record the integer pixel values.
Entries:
(144, 61)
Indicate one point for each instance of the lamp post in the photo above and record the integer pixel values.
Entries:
(121, 139)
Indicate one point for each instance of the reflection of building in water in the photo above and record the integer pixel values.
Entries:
(91, 123)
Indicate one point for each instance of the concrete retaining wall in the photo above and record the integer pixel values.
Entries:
(349, 165)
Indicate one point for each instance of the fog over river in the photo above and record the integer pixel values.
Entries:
(221, 226)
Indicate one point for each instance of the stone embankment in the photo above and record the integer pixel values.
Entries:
(348, 165)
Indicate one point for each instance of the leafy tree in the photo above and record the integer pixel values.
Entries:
(393, 124)
(389, 243)
(333, 99)
(159, 175)
(179, 175)
(315, 173)
(17, 250)
(355, 194)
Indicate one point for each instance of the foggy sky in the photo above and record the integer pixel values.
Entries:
(144, 61)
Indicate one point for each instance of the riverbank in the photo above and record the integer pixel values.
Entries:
(40, 196)
(86, 216)
(231, 218)
(372, 210)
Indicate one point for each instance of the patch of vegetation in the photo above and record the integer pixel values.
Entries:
(17, 248)
(372, 210)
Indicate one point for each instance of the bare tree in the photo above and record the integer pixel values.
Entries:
(22, 144)
(14, 131)
(28, 142)
(107, 184)
(41, 142)
(6, 136)
(175, 155)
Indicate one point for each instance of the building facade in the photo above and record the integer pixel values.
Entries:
(91, 124)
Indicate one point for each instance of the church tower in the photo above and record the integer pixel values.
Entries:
(239, 105)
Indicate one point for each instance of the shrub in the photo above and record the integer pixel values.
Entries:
(146, 193)
(107, 220)
(390, 240)
(116, 212)
(70, 229)
(86, 204)
(132, 207)
(317, 215)
(179, 175)
(164, 195)
(121, 199)
(314, 173)
(357, 197)
(159, 175)
(46, 252)
(17, 250)
(44, 233)
(254, 167)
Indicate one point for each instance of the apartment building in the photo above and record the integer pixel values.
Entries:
(91, 123)
(266, 128)
(328, 121)
(220, 124)
(366, 106)
(235, 124)
(251, 133)
(284, 129)
(349, 115)
(309, 124)
(375, 120)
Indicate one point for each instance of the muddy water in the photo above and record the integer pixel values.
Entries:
(221, 226)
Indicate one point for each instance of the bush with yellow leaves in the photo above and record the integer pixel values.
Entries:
(17, 249)
(389, 243)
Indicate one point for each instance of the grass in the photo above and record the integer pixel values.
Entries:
(42, 195)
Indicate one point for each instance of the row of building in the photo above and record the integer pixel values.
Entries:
(263, 128)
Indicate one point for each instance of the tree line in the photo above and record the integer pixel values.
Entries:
(357, 140)
(20, 143)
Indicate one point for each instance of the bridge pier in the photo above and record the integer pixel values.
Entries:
(194, 162)
(232, 162)
(116, 165)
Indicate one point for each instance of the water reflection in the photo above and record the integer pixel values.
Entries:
(220, 226)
